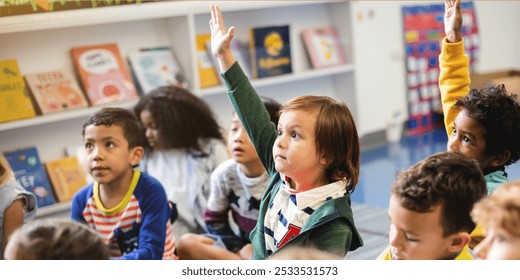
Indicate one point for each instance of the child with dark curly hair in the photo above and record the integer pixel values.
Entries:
(430, 206)
(482, 124)
(185, 145)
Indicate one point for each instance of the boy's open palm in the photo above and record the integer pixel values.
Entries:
(452, 20)
(220, 38)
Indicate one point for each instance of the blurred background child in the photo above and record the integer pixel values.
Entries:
(499, 214)
(17, 206)
(186, 145)
(237, 186)
(52, 239)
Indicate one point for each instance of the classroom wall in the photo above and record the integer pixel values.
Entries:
(379, 53)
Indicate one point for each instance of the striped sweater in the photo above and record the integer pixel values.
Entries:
(138, 227)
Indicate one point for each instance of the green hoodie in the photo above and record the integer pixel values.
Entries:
(331, 227)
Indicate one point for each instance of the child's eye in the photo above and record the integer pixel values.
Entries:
(500, 238)
(110, 144)
(88, 146)
(410, 239)
(453, 130)
(466, 139)
(279, 132)
(294, 135)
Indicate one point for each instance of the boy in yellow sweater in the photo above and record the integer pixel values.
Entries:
(482, 124)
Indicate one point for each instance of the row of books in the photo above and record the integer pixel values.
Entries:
(104, 77)
(269, 52)
(52, 181)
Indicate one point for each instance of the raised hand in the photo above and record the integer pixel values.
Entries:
(452, 20)
(221, 39)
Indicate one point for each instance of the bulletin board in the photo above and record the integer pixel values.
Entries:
(423, 34)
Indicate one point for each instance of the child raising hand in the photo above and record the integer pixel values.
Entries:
(312, 158)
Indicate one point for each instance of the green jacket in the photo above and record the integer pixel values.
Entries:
(331, 227)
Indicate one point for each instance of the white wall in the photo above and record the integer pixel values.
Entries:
(379, 52)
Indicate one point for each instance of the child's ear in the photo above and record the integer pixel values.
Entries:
(136, 154)
(500, 158)
(458, 241)
(324, 161)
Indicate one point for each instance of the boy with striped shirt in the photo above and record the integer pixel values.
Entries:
(127, 208)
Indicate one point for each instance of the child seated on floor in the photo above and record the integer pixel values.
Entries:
(54, 239)
(483, 124)
(185, 144)
(430, 206)
(17, 205)
(129, 209)
(237, 186)
(499, 213)
(312, 158)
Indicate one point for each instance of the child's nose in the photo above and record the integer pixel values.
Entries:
(481, 250)
(97, 153)
(394, 238)
(453, 145)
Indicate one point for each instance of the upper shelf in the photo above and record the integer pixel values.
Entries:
(78, 113)
(131, 12)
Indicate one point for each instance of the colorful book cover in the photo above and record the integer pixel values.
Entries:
(15, 102)
(30, 173)
(103, 73)
(240, 52)
(66, 176)
(155, 67)
(270, 51)
(55, 91)
(208, 74)
(323, 46)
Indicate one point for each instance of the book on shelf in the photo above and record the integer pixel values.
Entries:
(270, 51)
(103, 73)
(15, 102)
(55, 91)
(30, 173)
(66, 176)
(155, 67)
(208, 73)
(240, 52)
(323, 46)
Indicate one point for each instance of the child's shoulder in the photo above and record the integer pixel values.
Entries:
(148, 186)
(228, 165)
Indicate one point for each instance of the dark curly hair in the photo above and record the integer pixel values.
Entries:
(181, 118)
(498, 113)
(447, 179)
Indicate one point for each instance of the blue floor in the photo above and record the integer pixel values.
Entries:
(380, 164)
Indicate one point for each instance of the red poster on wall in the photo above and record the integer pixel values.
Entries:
(423, 34)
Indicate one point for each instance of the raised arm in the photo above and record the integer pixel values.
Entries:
(221, 39)
(454, 78)
(452, 21)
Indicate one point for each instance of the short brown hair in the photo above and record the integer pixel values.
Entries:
(501, 208)
(446, 179)
(132, 129)
(52, 239)
(336, 136)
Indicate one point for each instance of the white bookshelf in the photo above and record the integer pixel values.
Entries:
(42, 42)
